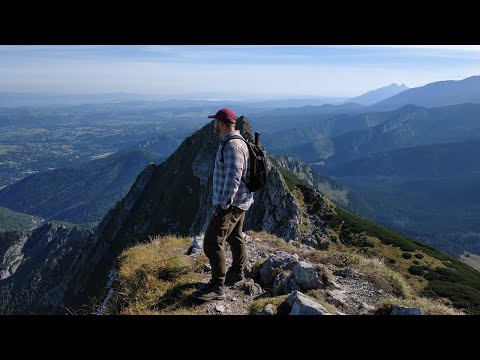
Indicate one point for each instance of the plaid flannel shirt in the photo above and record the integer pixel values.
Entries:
(228, 187)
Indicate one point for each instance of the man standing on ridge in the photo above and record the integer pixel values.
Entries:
(231, 199)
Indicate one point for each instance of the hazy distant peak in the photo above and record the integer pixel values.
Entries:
(377, 95)
(394, 85)
(435, 94)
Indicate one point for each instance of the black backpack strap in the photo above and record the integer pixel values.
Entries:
(225, 142)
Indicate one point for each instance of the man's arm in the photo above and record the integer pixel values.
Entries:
(234, 163)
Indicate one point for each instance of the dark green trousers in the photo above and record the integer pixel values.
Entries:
(226, 227)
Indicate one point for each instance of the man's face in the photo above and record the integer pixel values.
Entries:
(216, 127)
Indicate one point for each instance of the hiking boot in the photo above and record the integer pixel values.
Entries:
(233, 276)
(210, 292)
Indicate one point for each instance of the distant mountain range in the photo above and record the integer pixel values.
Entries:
(408, 162)
(406, 127)
(430, 192)
(280, 120)
(16, 99)
(433, 161)
(377, 95)
(301, 141)
(440, 93)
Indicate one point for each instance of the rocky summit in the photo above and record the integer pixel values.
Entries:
(282, 278)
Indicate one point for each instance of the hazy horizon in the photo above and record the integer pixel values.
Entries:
(246, 72)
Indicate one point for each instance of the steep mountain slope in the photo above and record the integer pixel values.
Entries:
(377, 95)
(11, 220)
(436, 160)
(424, 270)
(78, 194)
(430, 192)
(32, 265)
(302, 132)
(441, 93)
(405, 127)
(175, 197)
(415, 172)
(313, 176)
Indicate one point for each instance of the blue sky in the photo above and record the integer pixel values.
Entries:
(236, 71)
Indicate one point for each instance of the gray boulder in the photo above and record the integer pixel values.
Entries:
(336, 297)
(249, 287)
(303, 305)
(277, 260)
(306, 276)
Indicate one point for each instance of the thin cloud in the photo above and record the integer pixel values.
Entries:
(255, 70)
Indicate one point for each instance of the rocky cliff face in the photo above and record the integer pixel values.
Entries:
(34, 264)
(312, 177)
(274, 210)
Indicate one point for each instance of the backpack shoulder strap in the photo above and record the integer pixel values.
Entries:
(225, 142)
(231, 138)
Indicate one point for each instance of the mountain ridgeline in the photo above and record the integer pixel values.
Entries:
(55, 194)
(55, 269)
(12, 220)
(377, 95)
(430, 192)
(173, 197)
(436, 94)
(405, 127)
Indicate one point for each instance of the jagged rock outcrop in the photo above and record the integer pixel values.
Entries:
(312, 177)
(306, 276)
(104, 245)
(275, 209)
(276, 263)
(12, 255)
(337, 297)
(320, 282)
(35, 265)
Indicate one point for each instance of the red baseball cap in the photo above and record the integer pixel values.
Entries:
(225, 115)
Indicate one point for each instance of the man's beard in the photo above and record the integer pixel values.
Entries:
(216, 131)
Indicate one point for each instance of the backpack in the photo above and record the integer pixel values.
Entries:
(258, 164)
